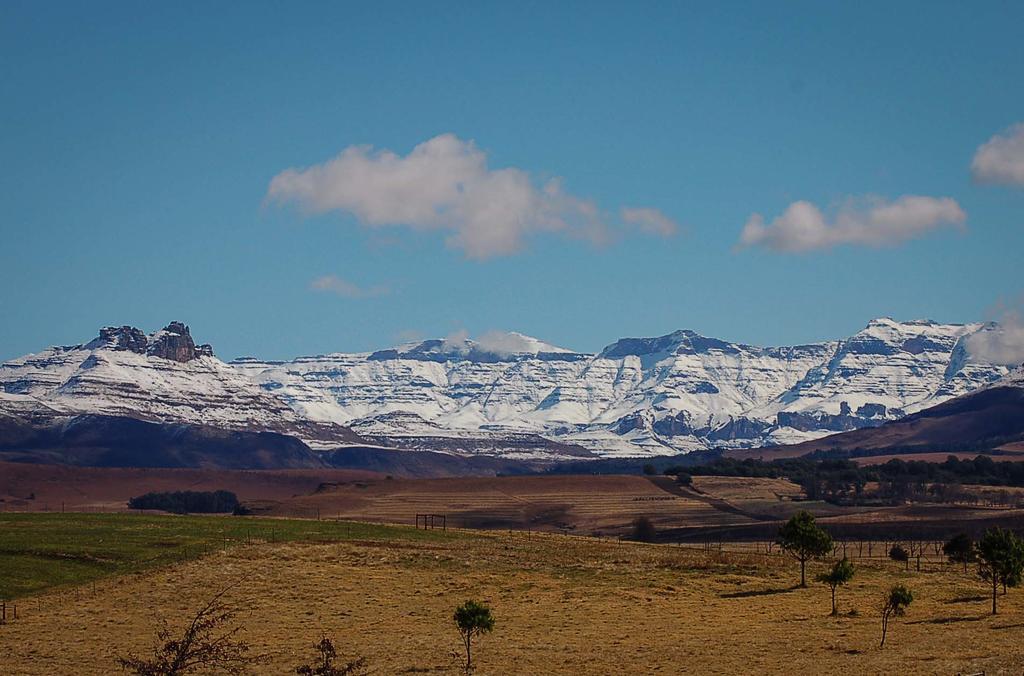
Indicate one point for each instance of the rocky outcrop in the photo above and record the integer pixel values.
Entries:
(739, 428)
(173, 342)
(163, 377)
(815, 422)
(124, 338)
(870, 410)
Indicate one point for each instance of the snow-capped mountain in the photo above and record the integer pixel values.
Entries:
(162, 377)
(677, 392)
(512, 394)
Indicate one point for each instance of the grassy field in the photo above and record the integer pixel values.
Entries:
(39, 551)
(564, 605)
(585, 505)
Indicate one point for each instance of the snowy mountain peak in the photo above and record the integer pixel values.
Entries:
(173, 342)
(641, 347)
(670, 393)
(491, 347)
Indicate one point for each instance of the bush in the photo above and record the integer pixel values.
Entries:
(898, 553)
(644, 530)
(324, 663)
(205, 646)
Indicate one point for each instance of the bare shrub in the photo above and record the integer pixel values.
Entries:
(206, 644)
(324, 663)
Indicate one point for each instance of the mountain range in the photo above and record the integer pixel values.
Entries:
(511, 395)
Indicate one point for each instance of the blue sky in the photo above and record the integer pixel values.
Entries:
(139, 143)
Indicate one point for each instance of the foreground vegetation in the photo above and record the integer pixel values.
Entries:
(564, 605)
(39, 551)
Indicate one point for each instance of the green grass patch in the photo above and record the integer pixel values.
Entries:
(40, 551)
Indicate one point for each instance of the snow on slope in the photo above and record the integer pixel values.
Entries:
(123, 373)
(677, 392)
(638, 396)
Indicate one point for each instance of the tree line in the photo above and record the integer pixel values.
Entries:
(188, 502)
(843, 481)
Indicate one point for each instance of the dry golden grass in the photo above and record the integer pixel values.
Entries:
(747, 488)
(564, 605)
(582, 504)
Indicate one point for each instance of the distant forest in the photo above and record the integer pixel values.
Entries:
(188, 502)
(843, 481)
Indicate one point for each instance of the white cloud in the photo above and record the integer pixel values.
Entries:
(408, 336)
(869, 221)
(650, 221)
(444, 184)
(343, 287)
(1001, 158)
(1003, 343)
(456, 341)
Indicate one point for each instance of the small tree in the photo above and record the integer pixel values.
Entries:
(960, 549)
(472, 619)
(898, 553)
(841, 573)
(644, 530)
(650, 469)
(1001, 555)
(324, 663)
(205, 646)
(895, 605)
(802, 539)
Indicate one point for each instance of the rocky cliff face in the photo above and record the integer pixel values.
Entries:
(672, 393)
(173, 342)
(513, 394)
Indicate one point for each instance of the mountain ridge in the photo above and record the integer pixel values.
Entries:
(513, 395)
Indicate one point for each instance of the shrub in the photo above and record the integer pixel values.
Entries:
(324, 663)
(204, 646)
(644, 530)
(898, 553)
